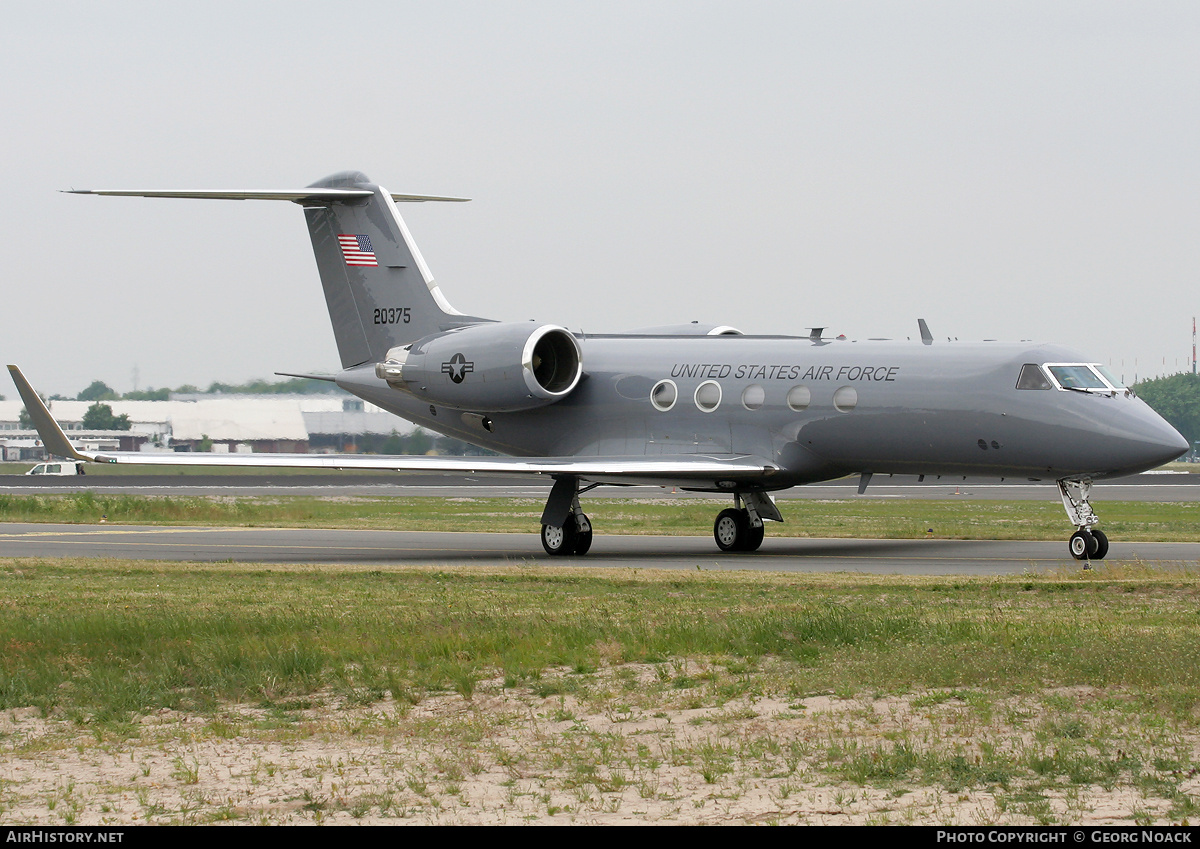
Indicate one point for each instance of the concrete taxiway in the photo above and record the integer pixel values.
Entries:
(383, 548)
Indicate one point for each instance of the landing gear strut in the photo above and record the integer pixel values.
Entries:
(1087, 543)
(566, 530)
(741, 528)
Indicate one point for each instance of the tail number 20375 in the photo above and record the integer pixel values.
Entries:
(393, 315)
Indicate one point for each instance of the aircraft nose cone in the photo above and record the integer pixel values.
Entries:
(1149, 442)
(1174, 446)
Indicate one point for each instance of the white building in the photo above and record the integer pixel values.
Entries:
(231, 423)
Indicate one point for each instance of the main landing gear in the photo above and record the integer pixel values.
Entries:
(565, 529)
(741, 528)
(1087, 543)
(574, 536)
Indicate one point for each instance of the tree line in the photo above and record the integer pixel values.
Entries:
(98, 390)
(1177, 399)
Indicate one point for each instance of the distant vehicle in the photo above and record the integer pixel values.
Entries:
(68, 467)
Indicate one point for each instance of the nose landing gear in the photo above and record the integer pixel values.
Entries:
(1087, 543)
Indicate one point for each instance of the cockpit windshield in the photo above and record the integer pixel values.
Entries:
(1077, 377)
(1083, 377)
(1110, 377)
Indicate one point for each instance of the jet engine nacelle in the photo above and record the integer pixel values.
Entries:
(491, 368)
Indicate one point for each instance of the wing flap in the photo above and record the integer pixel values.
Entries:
(681, 468)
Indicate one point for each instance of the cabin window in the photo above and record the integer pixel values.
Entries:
(754, 397)
(663, 395)
(845, 399)
(1032, 377)
(798, 399)
(708, 396)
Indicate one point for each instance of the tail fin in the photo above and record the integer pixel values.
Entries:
(378, 289)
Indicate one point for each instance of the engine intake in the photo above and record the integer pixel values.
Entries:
(488, 367)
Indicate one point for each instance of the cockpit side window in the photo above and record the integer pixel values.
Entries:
(1077, 377)
(1032, 377)
(1109, 376)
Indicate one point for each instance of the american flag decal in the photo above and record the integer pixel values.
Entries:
(356, 250)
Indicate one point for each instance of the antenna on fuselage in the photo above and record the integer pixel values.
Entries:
(926, 336)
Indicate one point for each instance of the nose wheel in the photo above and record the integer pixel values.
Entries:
(1088, 545)
(1088, 542)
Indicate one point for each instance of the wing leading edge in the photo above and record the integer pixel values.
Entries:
(682, 469)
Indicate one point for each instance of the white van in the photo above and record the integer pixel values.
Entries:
(65, 467)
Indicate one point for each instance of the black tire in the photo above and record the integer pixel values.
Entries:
(754, 536)
(731, 529)
(559, 542)
(1101, 545)
(583, 539)
(1081, 544)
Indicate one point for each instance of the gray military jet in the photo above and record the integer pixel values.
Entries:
(699, 407)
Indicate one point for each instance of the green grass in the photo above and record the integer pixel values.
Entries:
(881, 519)
(110, 640)
(587, 692)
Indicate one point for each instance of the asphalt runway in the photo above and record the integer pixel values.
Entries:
(391, 548)
(257, 545)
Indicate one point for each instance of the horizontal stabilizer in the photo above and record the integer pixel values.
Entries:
(326, 377)
(305, 197)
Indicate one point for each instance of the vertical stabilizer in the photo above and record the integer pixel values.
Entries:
(378, 289)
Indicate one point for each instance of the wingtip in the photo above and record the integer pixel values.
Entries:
(53, 438)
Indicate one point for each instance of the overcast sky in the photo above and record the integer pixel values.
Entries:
(1004, 170)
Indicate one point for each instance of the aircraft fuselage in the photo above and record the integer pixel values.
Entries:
(819, 410)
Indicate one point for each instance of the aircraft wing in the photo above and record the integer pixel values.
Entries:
(652, 469)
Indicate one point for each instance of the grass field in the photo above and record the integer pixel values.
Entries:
(1029, 696)
(167, 692)
(883, 519)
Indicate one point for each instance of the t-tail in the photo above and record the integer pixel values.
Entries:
(378, 288)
